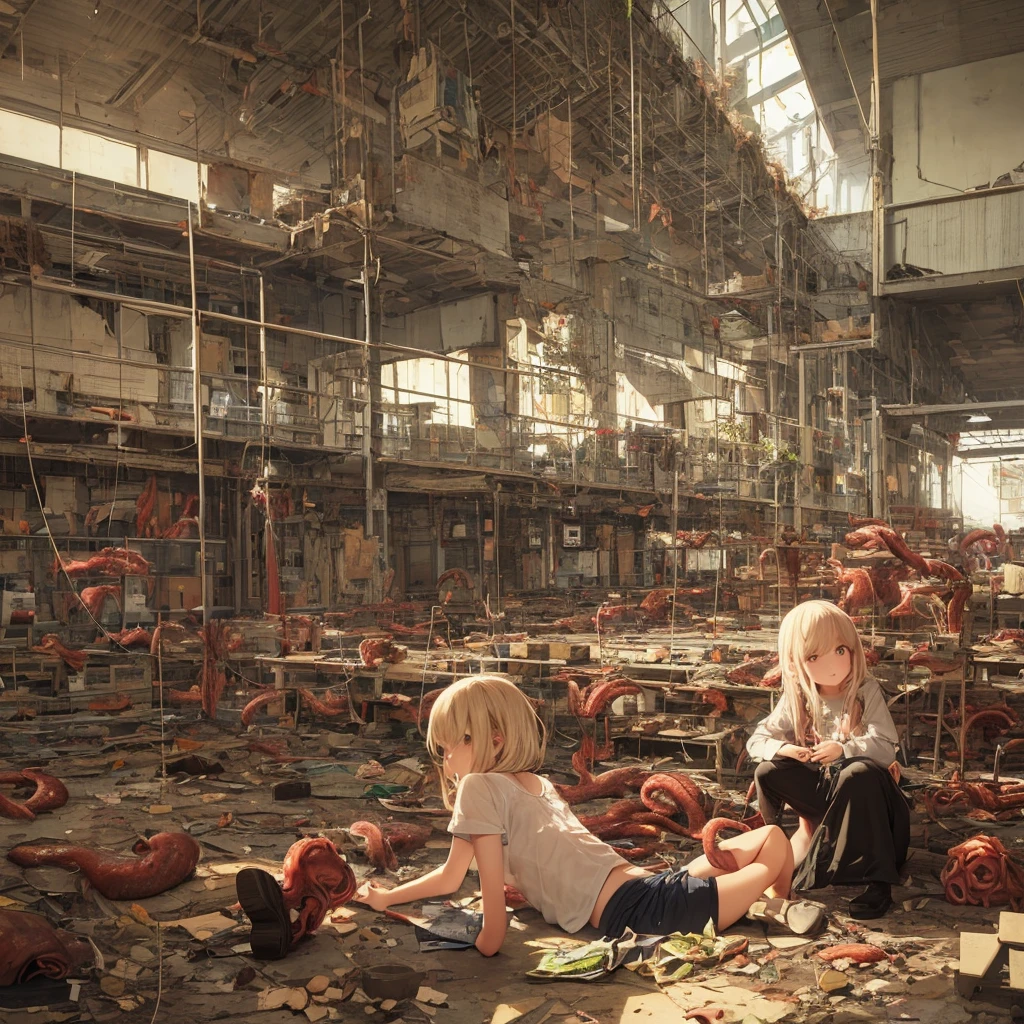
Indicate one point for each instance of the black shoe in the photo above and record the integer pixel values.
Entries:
(271, 934)
(873, 902)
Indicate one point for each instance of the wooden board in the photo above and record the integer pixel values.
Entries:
(1011, 928)
(978, 951)
(442, 201)
(1017, 969)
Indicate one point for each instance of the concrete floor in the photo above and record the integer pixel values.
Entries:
(117, 794)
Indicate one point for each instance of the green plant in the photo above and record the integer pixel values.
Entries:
(733, 430)
(775, 453)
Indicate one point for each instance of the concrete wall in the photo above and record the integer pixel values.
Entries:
(962, 126)
(450, 327)
(851, 179)
(847, 238)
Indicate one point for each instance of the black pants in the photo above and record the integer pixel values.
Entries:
(862, 818)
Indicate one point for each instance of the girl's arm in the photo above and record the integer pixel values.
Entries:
(490, 863)
(441, 881)
(879, 739)
(772, 735)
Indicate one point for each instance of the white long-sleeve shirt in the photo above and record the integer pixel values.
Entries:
(878, 739)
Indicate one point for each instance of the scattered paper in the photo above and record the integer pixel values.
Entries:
(426, 994)
(275, 998)
(832, 981)
(205, 925)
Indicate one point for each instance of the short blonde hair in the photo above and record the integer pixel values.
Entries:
(480, 707)
(814, 628)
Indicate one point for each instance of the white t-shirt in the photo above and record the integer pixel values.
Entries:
(549, 856)
(877, 737)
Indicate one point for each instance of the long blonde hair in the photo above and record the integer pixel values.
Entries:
(814, 628)
(480, 707)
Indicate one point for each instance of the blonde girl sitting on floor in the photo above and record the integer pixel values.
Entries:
(825, 751)
(488, 743)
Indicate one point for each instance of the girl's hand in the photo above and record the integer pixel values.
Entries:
(373, 895)
(827, 752)
(795, 752)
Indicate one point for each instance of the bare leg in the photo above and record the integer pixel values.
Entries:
(766, 851)
(765, 865)
(801, 840)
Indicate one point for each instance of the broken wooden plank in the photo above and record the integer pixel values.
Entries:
(978, 951)
(1011, 928)
(1017, 969)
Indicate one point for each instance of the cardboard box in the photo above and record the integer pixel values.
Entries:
(568, 652)
(111, 378)
(179, 592)
(14, 562)
(214, 355)
(850, 327)
(12, 499)
(359, 554)
(66, 494)
(1013, 578)
(15, 601)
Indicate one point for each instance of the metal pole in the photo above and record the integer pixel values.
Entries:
(877, 209)
(805, 448)
(343, 169)
(199, 172)
(675, 554)
(160, 679)
(632, 132)
(367, 410)
(497, 550)
(878, 485)
(367, 293)
(265, 390)
(721, 43)
(334, 114)
(718, 481)
(197, 406)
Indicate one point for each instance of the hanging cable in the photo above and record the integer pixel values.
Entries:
(423, 675)
(49, 533)
(846, 64)
(632, 129)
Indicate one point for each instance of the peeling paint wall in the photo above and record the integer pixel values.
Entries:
(958, 128)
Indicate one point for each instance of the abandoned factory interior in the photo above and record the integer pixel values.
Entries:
(499, 493)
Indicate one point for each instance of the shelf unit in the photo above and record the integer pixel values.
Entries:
(174, 564)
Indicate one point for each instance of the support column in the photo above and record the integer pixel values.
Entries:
(805, 445)
(878, 486)
(197, 409)
(877, 180)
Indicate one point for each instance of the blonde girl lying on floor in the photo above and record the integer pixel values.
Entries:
(488, 744)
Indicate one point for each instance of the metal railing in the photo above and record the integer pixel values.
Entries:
(950, 235)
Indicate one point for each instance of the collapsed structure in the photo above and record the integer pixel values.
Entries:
(346, 352)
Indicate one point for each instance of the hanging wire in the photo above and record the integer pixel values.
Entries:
(423, 675)
(49, 533)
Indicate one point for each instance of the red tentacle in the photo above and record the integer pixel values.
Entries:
(724, 860)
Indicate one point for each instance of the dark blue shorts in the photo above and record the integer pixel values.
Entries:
(673, 901)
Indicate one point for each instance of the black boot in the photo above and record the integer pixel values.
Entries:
(263, 903)
(873, 902)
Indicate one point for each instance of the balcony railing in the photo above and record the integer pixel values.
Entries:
(132, 394)
(532, 446)
(977, 233)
